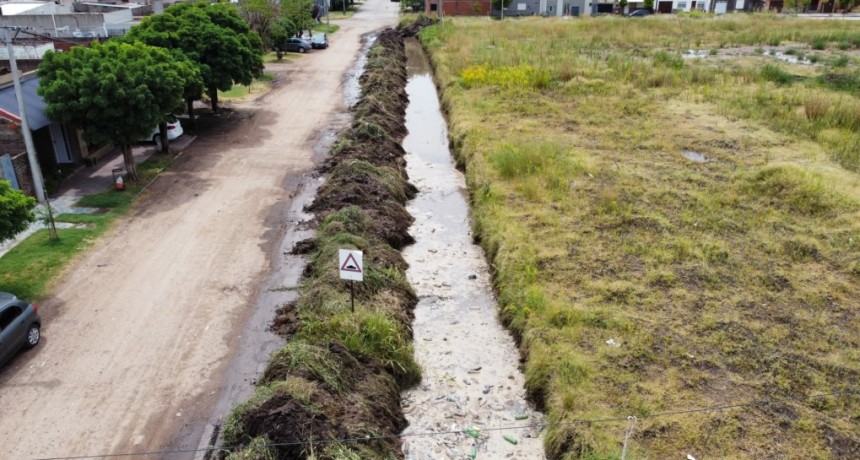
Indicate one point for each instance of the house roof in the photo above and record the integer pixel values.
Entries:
(36, 116)
(10, 9)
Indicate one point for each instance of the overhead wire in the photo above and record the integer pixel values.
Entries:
(539, 426)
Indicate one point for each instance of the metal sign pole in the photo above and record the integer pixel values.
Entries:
(352, 295)
(35, 169)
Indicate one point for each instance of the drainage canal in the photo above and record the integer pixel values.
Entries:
(471, 383)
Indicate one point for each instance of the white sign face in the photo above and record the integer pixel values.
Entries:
(350, 264)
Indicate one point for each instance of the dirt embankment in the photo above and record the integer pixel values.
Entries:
(334, 390)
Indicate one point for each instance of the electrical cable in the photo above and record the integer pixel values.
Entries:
(539, 426)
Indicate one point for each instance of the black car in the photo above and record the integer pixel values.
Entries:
(296, 44)
(640, 13)
(20, 326)
(319, 41)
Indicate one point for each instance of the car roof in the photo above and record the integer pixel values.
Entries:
(6, 298)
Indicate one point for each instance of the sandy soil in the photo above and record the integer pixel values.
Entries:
(138, 336)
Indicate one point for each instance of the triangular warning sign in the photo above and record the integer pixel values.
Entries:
(350, 265)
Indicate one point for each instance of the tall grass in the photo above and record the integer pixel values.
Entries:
(722, 281)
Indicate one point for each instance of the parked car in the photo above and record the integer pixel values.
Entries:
(319, 41)
(20, 326)
(640, 13)
(174, 130)
(296, 44)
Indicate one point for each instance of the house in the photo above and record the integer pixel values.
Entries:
(458, 7)
(76, 21)
(56, 145)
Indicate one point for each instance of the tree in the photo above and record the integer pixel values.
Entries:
(281, 31)
(648, 4)
(16, 211)
(225, 49)
(499, 4)
(260, 16)
(300, 13)
(115, 92)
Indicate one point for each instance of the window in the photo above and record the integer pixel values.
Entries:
(682, 5)
(521, 6)
(9, 315)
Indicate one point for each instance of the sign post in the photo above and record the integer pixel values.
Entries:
(351, 268)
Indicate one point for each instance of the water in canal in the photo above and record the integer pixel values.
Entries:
(471, 380)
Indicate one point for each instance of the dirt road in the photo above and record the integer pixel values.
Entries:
(138, 336)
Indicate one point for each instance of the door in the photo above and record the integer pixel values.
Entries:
(11, 333)
(61, 148)
(9, 171)
(664, 7)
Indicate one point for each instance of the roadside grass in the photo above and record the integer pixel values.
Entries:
(733, 280)
(326, 28)
(272, 57)
(29, 269)
(259, 85)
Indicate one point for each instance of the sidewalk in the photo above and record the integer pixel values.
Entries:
(88, 180)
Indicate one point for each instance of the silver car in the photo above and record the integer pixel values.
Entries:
(20, 326)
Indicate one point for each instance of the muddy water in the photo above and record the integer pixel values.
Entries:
(469, 361)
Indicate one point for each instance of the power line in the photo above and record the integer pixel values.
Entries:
(539, 426)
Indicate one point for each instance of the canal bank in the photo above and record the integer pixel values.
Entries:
(472, 388)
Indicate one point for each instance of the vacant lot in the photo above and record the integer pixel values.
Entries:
(670, 230)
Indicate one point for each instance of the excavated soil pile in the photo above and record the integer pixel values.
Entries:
(333, 391)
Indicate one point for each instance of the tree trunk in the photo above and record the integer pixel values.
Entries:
(190, 107)
(162, 132)
(213, 96)
(130, 167)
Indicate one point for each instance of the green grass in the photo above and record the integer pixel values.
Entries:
(725, 281)
(30, 268)
(258, 86)
(326, 28)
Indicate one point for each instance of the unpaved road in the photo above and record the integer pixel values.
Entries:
(138, 336)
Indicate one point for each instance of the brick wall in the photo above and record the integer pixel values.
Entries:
(11, 141)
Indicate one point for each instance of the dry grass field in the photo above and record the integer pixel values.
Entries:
(670, 230)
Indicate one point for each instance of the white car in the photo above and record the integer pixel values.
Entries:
(174, 130)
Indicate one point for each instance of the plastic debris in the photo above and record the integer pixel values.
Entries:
(613, 343)
(473, 432)
(521, 416)
(510, 439)
(690, 457)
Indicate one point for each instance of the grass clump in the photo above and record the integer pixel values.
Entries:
(775, 73)
(723, 280)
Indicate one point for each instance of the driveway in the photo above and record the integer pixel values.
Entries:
(140, 332)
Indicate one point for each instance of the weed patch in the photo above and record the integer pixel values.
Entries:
(720, 278)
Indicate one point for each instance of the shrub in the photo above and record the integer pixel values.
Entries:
(774, 73)
(819, 43)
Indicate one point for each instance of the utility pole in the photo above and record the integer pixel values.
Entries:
(35, 169)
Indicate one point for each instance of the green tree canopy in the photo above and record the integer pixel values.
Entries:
(497, 4)
(16, 211)
(300, 13)
(212, 35)
(260, 16)
(282, 30)
(116, 92)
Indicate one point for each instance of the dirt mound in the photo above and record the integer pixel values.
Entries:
(334, 390)
(412, 29)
